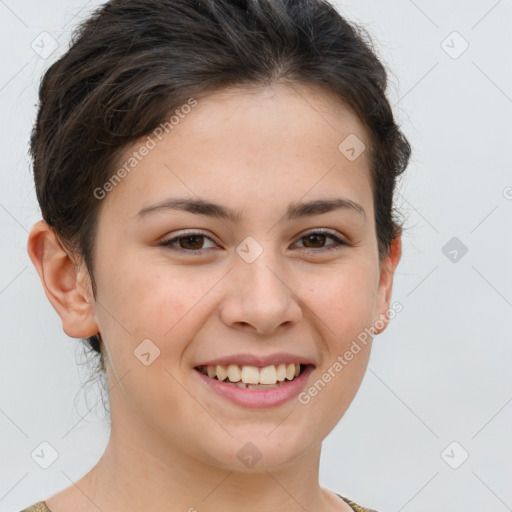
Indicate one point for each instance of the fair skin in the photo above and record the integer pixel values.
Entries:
(174, 442)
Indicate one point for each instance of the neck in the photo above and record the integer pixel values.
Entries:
(137, 473)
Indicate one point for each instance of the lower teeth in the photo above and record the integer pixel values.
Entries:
(254, 386)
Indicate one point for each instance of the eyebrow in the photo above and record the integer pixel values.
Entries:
(294, 210)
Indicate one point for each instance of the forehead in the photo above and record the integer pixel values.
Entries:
(257, 106)
(241, 142)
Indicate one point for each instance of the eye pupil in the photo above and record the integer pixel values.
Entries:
(314, 236)
(188, 239)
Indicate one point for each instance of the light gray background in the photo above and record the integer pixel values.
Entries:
(440, 373)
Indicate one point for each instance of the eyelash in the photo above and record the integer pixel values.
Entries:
(334, 247)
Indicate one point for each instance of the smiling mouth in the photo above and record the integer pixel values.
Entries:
(252, 377)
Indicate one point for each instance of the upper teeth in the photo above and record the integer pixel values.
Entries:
(252, 374)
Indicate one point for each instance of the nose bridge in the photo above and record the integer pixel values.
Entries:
(260, 296)
(265, 279)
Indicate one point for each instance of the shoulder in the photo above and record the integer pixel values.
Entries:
(37, 507)
(355, 506)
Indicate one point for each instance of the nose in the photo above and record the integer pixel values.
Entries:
(259, 298)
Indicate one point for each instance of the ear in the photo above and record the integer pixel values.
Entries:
(66, 284)
(386, 282)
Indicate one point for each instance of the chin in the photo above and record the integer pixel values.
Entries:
(258, 452)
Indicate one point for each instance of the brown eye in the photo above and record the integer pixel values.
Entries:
(188, 242)
(191, 242)
(317, 239)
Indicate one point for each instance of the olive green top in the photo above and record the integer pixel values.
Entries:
(41, 506)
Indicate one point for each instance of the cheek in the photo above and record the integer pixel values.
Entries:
(156, 301)
(345, 300)
(344, 306)
(343, 309)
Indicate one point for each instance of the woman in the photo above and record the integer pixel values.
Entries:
(216, 180)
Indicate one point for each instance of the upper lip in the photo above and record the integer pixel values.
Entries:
(255, 360)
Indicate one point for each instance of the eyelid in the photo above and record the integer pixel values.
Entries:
(323, 231)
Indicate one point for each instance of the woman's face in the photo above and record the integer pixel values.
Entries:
(247, 285)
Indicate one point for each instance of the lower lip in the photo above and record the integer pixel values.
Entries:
(258, 398)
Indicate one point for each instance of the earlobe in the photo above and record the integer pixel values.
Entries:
(65, 283)
(386, 283)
